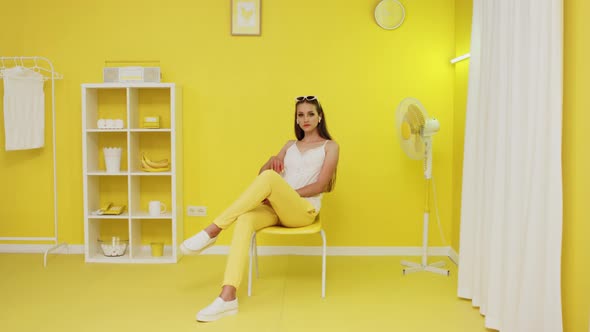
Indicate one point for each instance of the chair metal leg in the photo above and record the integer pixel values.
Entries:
(256, 256)
(254, 260)
(252, 249)
(323, 234)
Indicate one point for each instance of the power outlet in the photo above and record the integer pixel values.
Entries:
(196, 211)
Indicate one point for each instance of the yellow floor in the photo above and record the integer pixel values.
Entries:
(363, 294)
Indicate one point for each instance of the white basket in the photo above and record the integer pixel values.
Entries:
(112, 159)
(132, 74)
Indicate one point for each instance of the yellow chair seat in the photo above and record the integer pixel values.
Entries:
(315, 227)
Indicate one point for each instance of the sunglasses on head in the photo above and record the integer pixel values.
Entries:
(308, 98)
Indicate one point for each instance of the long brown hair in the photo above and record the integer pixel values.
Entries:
(322, 131)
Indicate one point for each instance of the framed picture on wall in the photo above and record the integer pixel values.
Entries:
(245, 17)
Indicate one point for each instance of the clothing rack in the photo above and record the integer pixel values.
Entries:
(43, 66)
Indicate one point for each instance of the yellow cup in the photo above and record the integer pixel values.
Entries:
(157, 249)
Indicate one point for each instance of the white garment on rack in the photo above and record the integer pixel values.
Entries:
(24, 109)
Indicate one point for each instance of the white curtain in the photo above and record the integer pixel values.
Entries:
(511, 209)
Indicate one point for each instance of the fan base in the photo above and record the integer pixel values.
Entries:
(434, 267)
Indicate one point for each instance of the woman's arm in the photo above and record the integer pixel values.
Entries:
(276, 162)
(326, 173)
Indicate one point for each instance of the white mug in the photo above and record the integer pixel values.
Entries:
(156, 208)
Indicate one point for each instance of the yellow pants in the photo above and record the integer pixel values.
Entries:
(249, 214)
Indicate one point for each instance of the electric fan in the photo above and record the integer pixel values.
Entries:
(415, 130)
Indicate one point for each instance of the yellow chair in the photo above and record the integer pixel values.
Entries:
(315, 227)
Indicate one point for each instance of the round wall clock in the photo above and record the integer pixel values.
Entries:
(389, 14)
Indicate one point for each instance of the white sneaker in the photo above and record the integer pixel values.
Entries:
(218, 309)
(197, 243)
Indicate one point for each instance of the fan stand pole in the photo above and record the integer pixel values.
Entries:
(424, 266)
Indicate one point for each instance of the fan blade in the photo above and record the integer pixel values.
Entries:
(415, 117)
(411, 120)
(409, 147)
(406, 130)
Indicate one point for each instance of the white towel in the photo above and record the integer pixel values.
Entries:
(24, 109)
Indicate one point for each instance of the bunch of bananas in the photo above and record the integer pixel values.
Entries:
(148, 165)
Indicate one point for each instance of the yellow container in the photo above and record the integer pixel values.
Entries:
(151, 122)
(157, 249)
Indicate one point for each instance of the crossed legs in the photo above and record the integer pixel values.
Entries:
(249, 214)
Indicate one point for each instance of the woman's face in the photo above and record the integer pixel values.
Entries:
(307, 117)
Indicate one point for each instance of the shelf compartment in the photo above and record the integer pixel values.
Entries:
(146, 231)
(105, 229)
(105, 189)
(105, 104)
(156, 146)
(150, 102)
(144, 254)
(96, 141)
(150, 188)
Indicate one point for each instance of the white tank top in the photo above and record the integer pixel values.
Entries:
(304, 168)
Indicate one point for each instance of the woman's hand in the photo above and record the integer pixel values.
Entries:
(276, 164)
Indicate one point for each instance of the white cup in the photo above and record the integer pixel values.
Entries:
(156, 208)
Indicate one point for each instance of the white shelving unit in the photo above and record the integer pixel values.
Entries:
(131, 186)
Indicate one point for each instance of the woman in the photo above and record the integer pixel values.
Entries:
(287, 191)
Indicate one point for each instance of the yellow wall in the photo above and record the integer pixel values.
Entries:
(238, 103)
(576, 163)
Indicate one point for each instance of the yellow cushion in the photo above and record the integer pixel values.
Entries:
(315, 227)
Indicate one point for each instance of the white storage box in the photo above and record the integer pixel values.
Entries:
(131, 74)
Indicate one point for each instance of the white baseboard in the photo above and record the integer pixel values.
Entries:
(41, 248)
(78, 249)
(453, 255)
(336, 251)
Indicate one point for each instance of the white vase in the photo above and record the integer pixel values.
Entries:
(112, 159)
